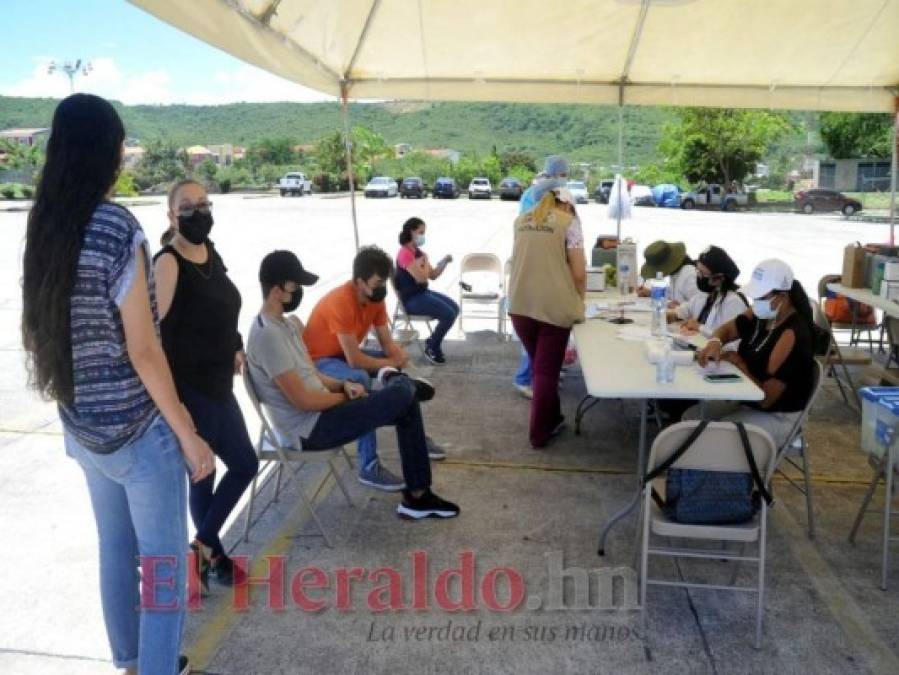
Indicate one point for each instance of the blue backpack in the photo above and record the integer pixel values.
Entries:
(698, 497)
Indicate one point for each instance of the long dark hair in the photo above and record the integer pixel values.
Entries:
(799, 300)
(84, 154)
(406, 233)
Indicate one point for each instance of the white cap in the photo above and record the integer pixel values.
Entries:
(769, 275)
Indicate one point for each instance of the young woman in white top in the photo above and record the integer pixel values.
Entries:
(718, 300)
(671, 259)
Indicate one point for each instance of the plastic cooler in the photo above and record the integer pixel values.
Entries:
(880, 418)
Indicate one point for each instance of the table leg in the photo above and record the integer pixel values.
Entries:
(582, 410)
(641, 469)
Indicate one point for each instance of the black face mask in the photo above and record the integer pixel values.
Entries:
(294, 301)
(195, 227)
(378, 294)
(704, 284)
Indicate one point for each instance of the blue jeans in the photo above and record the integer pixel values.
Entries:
(394, 405)
(138, 494)
(339, 369)
(524, 375)
(221, 424)
(437, 306)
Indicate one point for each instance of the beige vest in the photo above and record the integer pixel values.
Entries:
(540, 285)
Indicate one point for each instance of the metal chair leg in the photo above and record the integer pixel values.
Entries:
(887, 505)
(807, 475)
(864, 507)
(246, 529)
(339, 481)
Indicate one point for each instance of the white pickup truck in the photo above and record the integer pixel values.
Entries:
(294, 183)
(711, 195)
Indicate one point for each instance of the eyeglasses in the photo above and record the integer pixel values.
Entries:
(187, 210)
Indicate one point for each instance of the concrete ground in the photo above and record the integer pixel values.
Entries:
(522, 511)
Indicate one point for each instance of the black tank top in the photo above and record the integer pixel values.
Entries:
(199, 333)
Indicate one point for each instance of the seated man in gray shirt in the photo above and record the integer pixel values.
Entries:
(311, 411)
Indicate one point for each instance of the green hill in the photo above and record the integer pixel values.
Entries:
(585, 133)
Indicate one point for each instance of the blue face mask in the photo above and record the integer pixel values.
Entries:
(762, 309)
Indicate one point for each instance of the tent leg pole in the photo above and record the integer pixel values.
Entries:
(348, 147)
(893, 171)
(620, 157)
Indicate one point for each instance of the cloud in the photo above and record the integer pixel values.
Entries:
(107, 79)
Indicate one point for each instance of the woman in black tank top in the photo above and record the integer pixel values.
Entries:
(199, 308)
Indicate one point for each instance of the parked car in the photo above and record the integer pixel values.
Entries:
(381, 186)
(511, 188)
(294, 183)
(641, 195)
(601, 195)
(413, 187)
(445, 188)
(480, 188)
(711, 195)
(579, 191)
(809, 201)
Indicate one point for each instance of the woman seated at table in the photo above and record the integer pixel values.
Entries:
(776, 352)
(413, 271)
(671, 259)
(718, 300)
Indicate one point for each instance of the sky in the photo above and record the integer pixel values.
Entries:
(136, 58)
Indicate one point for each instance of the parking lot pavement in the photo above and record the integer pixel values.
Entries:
(48, 552)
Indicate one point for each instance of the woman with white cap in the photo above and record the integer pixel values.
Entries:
(776, 351)
(546, 290)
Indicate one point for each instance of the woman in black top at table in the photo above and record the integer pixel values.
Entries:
(776, 351)
(199, 308)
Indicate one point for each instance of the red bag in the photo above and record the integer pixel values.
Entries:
(839, 310)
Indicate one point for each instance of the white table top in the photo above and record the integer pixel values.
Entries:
(617, 368)
(866, 296)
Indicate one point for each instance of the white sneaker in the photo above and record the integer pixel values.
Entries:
(525, 390)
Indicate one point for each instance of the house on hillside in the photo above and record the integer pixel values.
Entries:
(852, 175)
(132, 156)
(223, 153)
(452, 156)
(239, 152)
(197, 154)
(31, 137)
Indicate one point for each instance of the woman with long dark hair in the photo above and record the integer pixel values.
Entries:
(90, 330)
(413, 271)
(199, 308)
(718, 300)
(776, 352)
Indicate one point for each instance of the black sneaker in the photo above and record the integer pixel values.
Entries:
(424, 390)
(183, 665)
(428, 505)
(225, 571)
(434, 356)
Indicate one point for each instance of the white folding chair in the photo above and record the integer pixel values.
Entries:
(272, 453)
(489, 301)
(796, 448)
(402, 324)
(719, 448)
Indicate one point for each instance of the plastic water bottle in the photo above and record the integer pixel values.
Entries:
(659, 295)
(665, 363)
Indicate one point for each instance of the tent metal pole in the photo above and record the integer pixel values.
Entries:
(348, 151)
(893, 171)
(620, 156)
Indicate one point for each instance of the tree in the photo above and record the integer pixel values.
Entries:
(719, 145)
(271, 151)
(848, 135)
(207, 170)
(516, 158)
(162, 163)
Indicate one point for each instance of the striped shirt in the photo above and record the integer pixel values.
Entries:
(111, 407)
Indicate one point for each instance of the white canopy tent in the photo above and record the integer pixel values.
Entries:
(785, 54)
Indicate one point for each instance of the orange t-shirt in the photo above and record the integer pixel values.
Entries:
(340, 313)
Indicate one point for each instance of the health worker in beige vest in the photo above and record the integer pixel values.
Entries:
(546, 290)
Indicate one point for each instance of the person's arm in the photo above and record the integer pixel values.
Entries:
(165, 272)
(149, 362)
(726, 333)
(441, 266)
(577, 265)
(356, 358)
(773, 386)
(303, 398)
(419, 269)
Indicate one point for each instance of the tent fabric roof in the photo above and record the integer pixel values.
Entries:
(794, 54)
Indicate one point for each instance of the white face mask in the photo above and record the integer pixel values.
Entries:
(419, 240)
(762, 309)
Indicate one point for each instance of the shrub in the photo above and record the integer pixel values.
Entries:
(27, 192)
(8, 191)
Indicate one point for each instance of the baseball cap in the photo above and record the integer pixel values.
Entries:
(769, 275)
(280, 266)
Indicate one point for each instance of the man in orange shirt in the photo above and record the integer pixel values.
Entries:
(334, 334)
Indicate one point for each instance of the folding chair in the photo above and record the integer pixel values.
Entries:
(401, 324)
(271, 452)
(719, 448)
(884, 469)
(855, 330)
(837, 356)
(485, 264)
(796, 447)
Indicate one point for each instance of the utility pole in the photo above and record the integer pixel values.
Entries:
(71, 70)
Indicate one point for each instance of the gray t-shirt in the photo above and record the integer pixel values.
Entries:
(273, 348)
